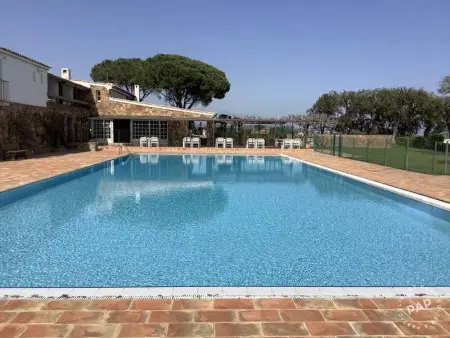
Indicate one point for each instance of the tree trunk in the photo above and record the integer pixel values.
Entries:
(395, 130)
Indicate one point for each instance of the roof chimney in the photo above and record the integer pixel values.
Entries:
(66, 73)
(137, 93)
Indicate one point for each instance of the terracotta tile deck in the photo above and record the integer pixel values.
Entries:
(15, 173)
(19, 172)
(281, 318)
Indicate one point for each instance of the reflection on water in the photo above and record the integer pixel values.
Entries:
(158, 220)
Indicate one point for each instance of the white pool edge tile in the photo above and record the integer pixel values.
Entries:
(224, 292)
(405, 193)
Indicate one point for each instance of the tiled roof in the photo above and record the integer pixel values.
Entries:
(69, 82)
(23, 56)
(107, 85)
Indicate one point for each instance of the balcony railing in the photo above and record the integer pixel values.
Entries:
(4, 91)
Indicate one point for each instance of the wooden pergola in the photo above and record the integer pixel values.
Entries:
(289, 124)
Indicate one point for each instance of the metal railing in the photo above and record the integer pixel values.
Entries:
(4, 91)
(418, 155)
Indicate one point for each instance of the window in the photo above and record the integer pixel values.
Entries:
(42, 78)
(150, 128)
(101, 129)
(98, 95)
(34, 76)
(140, 129)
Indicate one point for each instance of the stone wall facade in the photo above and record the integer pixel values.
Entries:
(107, 107)
(40, 129)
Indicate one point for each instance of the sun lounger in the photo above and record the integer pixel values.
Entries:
(143, 142)
(228, 142)
(186, 142)
(251, 143)
(153, 141)
(297, 143)
(220, 141)
(288, 143)
(195, 141)
(260, 143)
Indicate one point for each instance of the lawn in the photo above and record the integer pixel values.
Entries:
(418, 160)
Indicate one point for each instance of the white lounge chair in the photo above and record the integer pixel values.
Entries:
(251, 143)
(297, 142)
(195, 141)
(153, 141)
(186, 141)
(287, 143)
(260, 143)
(228, 142)
(143, 142)
(220, 141)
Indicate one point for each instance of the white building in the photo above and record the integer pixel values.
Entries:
(22, 80)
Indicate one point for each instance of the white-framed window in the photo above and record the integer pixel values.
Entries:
(102, 129)
(143, 128)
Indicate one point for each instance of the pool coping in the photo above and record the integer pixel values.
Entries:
(405, 193)
(250, 291)
(225, 292)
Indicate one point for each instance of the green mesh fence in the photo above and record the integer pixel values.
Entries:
(419, 156)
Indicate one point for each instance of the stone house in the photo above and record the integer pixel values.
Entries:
(119, 117)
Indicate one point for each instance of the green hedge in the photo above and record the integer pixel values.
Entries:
(420, 142)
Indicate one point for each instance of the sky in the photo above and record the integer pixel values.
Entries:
(279, 56)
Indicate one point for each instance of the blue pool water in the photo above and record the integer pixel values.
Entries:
(177, 220)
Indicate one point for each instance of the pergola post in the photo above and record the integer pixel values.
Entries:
(210, 133)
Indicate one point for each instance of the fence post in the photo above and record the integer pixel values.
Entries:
(353, 150)
(367, 150)
(434, 157)
(385, 153)
(334, 145)
(446, 159)
(406, 155)
(340, 146)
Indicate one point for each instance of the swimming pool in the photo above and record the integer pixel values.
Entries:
(190, 220)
